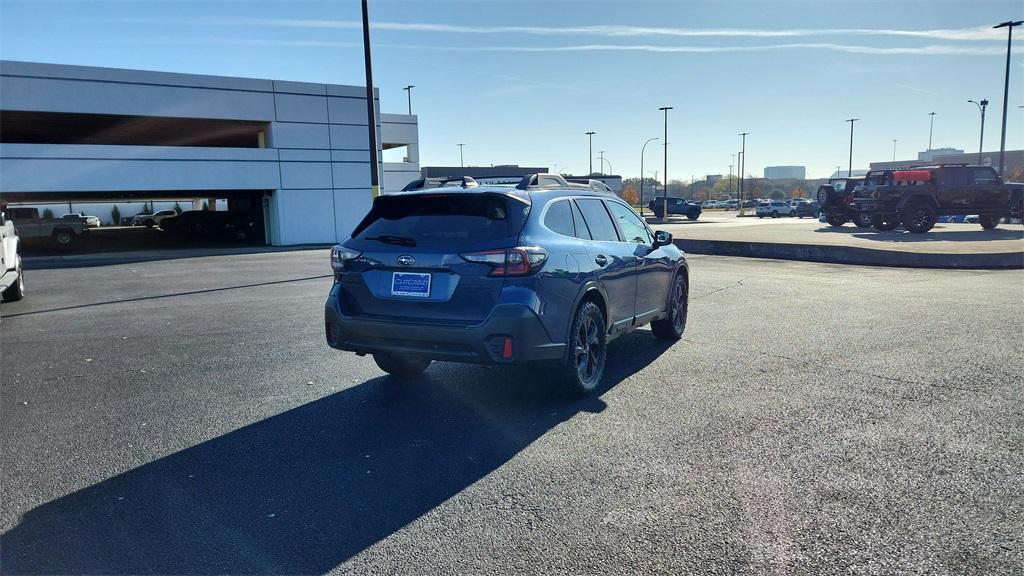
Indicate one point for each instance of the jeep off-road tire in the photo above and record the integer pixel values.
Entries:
(401, 365)
(885, 222)
(989, 222)
(64, 237)
(918, 218)
(862, 220)
(587, 351)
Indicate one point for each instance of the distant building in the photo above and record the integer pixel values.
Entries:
(1014, 159)
(712, 178)
(480, 171)
(932, 154)
(783, 172)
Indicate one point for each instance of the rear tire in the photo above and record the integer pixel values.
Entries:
(64, 237)
(918, 218)
(403, 366)
(862, 220)
(16, 291)
(587, 350)
(989, 222)
(673, 326)
(693, 216)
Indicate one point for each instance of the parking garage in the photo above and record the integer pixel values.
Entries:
(290, 156)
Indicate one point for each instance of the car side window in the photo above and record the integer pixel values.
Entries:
(582, 232)
(559, 218)
(597, 219)
(984, 176)
(630, 225)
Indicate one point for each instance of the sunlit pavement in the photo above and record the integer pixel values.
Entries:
(186, 417)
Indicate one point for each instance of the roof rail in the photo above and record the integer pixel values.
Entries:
(542, 180)
(426, 183)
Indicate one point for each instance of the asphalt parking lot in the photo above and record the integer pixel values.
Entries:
(186, 417)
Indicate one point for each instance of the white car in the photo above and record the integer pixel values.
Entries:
(774, 209)
(150, 220)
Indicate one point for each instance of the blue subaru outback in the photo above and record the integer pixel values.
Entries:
(543, 271)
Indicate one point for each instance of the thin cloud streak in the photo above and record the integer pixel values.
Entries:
(933, 50)
(961, 34)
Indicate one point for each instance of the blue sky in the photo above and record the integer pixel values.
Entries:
(522, 81)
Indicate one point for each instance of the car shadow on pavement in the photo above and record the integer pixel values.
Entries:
(940, 234)
(304, 490)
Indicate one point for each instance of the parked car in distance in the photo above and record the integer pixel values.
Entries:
(12, 279)
(691, 210)
(30, 226)
(774, 209)
(211, 225)
(154, 219)
(808, 209)
(502, 275)
(918, 196)
(89, 221)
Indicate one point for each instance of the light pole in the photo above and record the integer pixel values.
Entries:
(462, 163)
(849, 173)
(730, 176)
(981, 140)
(1009, 25)
(408, 92)
(609, 162)
(642, 148)
(743, 167)
(600, 166)
(839, 170)
(590, 155)
(931, 128)
(664, 213)
(893, 149)
(371, 115)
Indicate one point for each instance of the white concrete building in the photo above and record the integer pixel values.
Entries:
(297, 152)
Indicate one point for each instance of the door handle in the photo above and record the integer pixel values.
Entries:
(601, 260)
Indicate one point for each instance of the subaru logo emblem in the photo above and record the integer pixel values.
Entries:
(406, 260)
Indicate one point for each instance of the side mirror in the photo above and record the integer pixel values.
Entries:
(662, 238)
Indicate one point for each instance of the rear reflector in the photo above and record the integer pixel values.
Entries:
(506, 351)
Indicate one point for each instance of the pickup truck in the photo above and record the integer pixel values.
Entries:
(12, 280)
(917, 196)
(64, 231)
(691, 210)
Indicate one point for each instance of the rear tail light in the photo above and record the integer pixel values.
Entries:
(510, 261)
(340, 255)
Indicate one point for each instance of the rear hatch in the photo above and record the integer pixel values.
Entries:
(410, 265)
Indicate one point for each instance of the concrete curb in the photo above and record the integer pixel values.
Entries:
(852, 255)
(132, 257)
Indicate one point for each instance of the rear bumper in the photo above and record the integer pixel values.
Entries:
(483, 343)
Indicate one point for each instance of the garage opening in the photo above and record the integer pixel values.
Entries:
(20, 127)
(60, 223)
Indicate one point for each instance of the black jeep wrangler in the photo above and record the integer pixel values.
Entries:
(916, 196)
(836, 199)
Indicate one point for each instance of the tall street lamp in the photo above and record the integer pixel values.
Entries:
(408, 92)
(743, 168)
(664, 208)
(931, 128)
(981, 140)
(1009, 25)
(600, 167)
(590, 155)
(371, 116)
(462, 164)
(893, 149)
(849, 173)
(642, 148)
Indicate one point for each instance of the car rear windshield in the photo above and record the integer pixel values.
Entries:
(441, 219)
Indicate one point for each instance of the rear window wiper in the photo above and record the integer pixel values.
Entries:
(391, 239)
